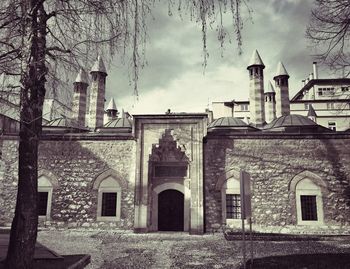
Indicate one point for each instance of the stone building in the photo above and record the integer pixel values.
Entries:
(180, 171)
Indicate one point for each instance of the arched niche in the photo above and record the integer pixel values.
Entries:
(232, 173)
(109, 196)
(108, 173)
(306, 195)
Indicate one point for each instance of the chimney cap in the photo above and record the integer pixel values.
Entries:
(270, 88)
(256, 60)
(82, 77)
(99, 66)
(281, 70)
(112, 105)
(311, 112)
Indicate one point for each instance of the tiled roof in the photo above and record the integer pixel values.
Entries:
(227, 122)
(290, 121)
(119, 123)
(62, 122)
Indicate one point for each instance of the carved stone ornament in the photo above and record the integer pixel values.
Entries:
(167, 150)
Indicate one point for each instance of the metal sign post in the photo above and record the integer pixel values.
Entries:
(251, 243)
(246, 212)
(243, 244)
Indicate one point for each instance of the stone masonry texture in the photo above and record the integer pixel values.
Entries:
(272, 161)
(75, 164)
(272, 164)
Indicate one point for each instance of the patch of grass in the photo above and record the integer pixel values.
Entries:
(309, 261)
(136, 258)
(204, 254)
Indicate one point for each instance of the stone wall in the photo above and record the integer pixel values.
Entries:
(74, 165)
(272, 162)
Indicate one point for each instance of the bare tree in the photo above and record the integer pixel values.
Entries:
(329, 32)
(39, 37)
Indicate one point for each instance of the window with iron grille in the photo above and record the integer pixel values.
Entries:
(233, 206)
(109, 204)
(42, 203)
(308, 207)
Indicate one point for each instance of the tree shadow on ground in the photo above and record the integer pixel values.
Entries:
(309, 261)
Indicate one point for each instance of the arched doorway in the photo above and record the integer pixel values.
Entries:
(170, 211)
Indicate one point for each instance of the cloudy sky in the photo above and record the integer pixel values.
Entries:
(174, 76)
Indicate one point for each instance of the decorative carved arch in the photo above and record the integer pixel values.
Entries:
(168, 150)
(317, 180)
(104, 175)
(225, 176)
(171, 186)
(51, 177)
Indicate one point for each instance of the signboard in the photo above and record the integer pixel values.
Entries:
(246, 196)
(246, 213)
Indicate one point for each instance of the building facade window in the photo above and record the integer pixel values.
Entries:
(244, 107)
(44, 197)
(308, 207)
(109, 204)
(231, 201)
(326, 91)
(233, 206)
(109, 200)
(42, 203)
(309, 203)
(306, 106)
(332, 125)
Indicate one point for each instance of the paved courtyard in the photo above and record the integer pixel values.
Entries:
(172, 250)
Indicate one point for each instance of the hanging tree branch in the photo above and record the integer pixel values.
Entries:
(328, 32)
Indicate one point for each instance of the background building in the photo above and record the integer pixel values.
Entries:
(330, 99)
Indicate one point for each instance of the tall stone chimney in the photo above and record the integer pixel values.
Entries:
(282, 91)
(270, 104)
(97, 94)
(256, 90)
(315, 70)
(79, 98)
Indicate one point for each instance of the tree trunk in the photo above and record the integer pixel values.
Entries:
(25, 223)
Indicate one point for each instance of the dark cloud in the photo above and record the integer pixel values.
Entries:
(174, 53)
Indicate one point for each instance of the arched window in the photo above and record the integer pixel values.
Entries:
(231, 201)
(309, 203)
(109, 199)
(44, 197)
